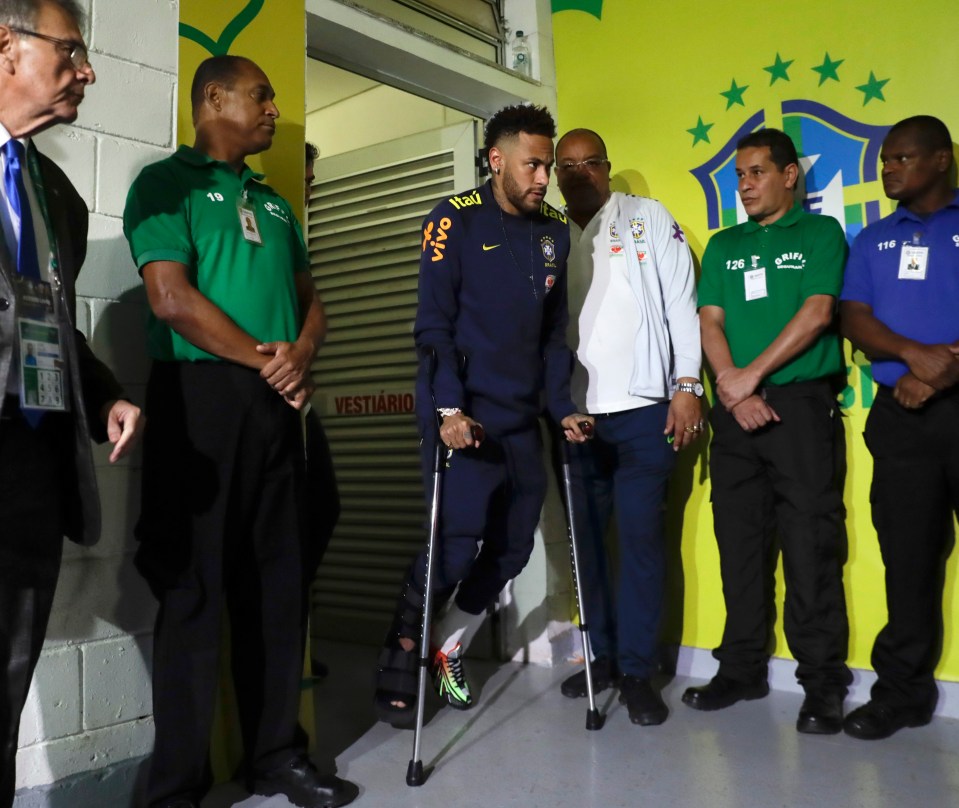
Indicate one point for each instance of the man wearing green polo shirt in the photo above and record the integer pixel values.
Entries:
(767, 302)
(234, 325)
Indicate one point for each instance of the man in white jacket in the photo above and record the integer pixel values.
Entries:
(635, 330)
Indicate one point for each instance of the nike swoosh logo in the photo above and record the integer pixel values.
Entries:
(487, 248)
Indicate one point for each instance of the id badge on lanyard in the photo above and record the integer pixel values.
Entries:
(42, 366)
(248, 224)
(913, 262)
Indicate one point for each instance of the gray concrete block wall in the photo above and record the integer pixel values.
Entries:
(90, 704)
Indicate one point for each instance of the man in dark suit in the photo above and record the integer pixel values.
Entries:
(52, 406)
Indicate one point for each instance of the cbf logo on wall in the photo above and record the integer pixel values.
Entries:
(838, 153)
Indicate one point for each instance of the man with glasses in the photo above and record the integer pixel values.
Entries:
(634, 327)
(55, 395)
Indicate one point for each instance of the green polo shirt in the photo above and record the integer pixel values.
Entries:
(803, 255)
(185, 209)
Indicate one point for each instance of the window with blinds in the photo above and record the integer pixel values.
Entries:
(473, 25)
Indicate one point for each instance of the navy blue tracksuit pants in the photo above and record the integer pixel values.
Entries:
(491, 500)
(625, 467)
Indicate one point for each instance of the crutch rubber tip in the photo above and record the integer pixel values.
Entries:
(414, 773)
(594, 721)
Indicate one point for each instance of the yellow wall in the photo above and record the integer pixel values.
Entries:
(273, 34)
(644, 73)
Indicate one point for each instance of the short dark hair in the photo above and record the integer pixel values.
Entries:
(510, 121)
(220, 69)
(782, 150)
(929, 132)
(23, 13)
(312, 152)
(588, 132)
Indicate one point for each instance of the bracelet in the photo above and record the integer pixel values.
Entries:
(447, 411)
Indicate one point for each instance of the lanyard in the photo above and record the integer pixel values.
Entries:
(33, 165)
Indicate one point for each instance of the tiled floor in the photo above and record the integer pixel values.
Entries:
(525, 745)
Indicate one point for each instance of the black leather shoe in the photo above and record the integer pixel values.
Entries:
(303, 785)
(820, 714)
(605, 674)
(646, 707)
(721, 692)
(875, 720)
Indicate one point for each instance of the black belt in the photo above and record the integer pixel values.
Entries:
(599, 416)
(799, 389)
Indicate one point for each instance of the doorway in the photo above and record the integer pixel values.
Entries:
(386, 158)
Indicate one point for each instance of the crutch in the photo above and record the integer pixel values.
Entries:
(414, 771)
(594, 719)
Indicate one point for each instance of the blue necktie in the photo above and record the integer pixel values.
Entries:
(27, 264)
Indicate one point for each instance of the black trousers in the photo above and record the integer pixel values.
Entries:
(915, 491)
(31, 545)
(783, 481)
(222, 521)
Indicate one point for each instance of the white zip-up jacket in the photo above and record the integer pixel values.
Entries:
(632, 296)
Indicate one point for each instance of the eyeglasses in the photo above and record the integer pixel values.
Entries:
(76, 51)
(593, 164)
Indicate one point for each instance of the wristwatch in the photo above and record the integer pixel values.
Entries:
(696, 388)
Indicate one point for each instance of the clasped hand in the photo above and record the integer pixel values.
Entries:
(288, 370)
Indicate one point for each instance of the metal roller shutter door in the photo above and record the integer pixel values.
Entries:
(364, 237)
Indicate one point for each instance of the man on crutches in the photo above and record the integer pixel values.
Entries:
(492, 305)
(632, 295)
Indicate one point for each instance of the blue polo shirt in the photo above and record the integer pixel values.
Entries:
(926, 311)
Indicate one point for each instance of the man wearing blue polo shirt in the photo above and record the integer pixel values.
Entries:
(899, 305)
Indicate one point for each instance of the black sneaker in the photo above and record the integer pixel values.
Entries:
(646, 707)
(605, 674)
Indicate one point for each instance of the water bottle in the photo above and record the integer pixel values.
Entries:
(521, 60)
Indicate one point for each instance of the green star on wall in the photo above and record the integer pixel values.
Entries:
(734, 95)
(828, 68)
(700, 131)
(777, 70)
(872, 89)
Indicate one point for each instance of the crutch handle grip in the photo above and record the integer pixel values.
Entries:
(586, 427)
(477, 433)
